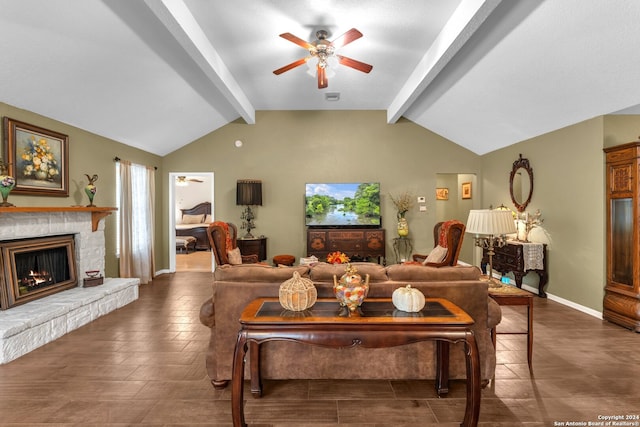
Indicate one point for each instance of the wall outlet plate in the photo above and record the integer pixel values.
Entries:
(423, 208)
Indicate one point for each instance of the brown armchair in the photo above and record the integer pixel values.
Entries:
(448, 234)
(223, 238)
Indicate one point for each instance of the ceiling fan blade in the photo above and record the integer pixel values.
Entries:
(194, 180)
(291, 66)
(357, 65)
(346, 38)
(322, 78)
(297, 40)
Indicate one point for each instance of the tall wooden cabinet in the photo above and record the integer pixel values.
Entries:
(622, 291)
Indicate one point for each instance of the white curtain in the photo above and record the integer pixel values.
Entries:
(136, 221)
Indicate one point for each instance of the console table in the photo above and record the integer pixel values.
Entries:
(520, 258)
(257, 246)
(376, 326)
(356, 243)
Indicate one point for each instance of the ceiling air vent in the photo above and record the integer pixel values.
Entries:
(332, 96)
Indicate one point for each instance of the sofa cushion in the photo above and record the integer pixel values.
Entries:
(324, 272)
(257, 273)
(420, 273)
(437, 254)
(235, 258)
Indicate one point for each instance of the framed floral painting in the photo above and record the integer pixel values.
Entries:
(38, 159)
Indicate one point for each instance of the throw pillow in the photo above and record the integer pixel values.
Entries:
(192, 219)
(234, 256)
(437, 254)
(208, 219)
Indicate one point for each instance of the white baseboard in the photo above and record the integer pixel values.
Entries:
(566, 302)
(571, 304)
(575, 306)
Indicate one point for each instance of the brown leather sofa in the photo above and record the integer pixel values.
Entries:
(235, 286)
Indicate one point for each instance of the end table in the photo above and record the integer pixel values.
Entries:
(257, 246)
(511, 295)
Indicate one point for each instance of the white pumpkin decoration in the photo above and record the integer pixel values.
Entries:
(408, 299)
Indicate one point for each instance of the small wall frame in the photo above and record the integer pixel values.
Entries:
(466, 190)
(442, 194)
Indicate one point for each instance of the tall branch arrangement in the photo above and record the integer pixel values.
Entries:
(403, 202)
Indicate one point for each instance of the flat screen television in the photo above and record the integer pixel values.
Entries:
(343, 205)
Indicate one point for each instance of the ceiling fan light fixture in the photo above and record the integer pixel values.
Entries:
(323, 68)
(329, 64)
(183, 181)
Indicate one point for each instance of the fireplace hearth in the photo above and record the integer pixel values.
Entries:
(35, 268)
(28, 326)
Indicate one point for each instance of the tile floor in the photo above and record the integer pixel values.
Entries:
(144, 365)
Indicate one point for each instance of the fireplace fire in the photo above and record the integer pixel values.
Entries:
(35, 268)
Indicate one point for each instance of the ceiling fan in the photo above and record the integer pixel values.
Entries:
(325, 51)
(183, 180)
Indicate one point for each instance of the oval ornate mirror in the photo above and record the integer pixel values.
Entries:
(521, 183)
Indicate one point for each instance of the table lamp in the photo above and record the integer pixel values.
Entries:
(489, 227)
(248, 193)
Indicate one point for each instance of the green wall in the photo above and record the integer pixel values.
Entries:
(568, 167)
(90, 154)
(621, 129)
(286, 149)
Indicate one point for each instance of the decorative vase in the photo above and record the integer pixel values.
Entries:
(350, 290)
(40, 175)
(6, 185)
(90, 189)
(403, 227)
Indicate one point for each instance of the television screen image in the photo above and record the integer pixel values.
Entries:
(343, 204)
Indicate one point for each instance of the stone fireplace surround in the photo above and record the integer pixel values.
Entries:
(29, 326)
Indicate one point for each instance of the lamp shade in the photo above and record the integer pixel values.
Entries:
(490, 222)
(249, 192)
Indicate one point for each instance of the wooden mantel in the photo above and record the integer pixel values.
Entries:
(97, 213)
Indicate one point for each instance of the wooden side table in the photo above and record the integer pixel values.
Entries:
(511, 258)
(257, 246)
(510, 295)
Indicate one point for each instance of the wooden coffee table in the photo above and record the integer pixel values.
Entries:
(377, 325)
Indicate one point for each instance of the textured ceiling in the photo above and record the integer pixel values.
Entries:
(157, 74)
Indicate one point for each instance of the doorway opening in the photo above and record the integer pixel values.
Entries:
(457, 204)
(188, 190)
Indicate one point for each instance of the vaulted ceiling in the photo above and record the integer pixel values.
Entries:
(158, 74)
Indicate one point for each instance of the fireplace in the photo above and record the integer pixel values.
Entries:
(35, 268)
